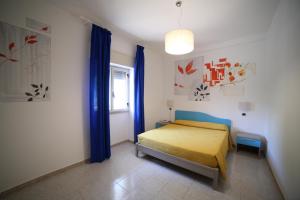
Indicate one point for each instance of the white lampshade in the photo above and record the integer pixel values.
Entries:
(179, 42)
(170, 103)
(244, 106)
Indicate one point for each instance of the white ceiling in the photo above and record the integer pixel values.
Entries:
(212, 21)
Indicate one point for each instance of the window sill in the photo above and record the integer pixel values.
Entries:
(118, 111)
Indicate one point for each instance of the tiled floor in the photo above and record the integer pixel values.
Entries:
(127, 177)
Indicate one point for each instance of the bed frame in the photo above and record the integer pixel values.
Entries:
(198, 168)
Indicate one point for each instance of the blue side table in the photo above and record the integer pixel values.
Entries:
(161, 124)
(250, 140)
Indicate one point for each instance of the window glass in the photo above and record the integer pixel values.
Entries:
(119, 89)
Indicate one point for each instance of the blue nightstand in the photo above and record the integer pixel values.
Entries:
(161, 124)
(250, 140)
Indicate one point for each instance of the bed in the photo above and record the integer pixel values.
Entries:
(195, 141)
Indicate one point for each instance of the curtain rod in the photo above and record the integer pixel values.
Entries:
(87, 21)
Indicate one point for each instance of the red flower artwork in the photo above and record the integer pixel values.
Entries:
(11, 46)
(45, 28)
(180, 69)
(188, 69)
(29, 40)
(187, 74)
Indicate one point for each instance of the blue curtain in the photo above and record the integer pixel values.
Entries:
(99, 94)
(139, 121)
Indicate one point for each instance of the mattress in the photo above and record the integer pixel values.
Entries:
(206, 146)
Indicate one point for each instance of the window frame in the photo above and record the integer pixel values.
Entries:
(116, 67)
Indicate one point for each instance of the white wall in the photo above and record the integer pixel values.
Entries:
(227, 106)
(283, 63)
(121, 125)
(38, 138)
(154, 88)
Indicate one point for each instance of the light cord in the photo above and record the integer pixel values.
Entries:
(181, 14)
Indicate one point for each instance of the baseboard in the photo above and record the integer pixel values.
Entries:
(118, 143)
(131, 141)
(18, 187)
(283, 195)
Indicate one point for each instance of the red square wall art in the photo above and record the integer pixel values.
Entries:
(227, 74)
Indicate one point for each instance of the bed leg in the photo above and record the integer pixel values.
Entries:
(215, 181)
(136, 150)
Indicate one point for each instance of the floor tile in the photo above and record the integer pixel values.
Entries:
(175, 189)
(139, 194)
(128, 177)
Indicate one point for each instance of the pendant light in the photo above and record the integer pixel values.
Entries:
(179, 41)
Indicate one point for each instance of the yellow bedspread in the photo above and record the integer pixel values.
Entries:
(202, 145)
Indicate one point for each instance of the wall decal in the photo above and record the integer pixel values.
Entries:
(37, 92)
(214, 73)
(200, 92)
(24, 64)
(38, 26)
(227, 75)
(187, 74)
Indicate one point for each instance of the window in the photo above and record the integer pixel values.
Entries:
(119, 89)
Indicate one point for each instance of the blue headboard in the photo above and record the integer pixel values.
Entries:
(200, 116)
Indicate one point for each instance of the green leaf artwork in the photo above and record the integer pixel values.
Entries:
(38, 92)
